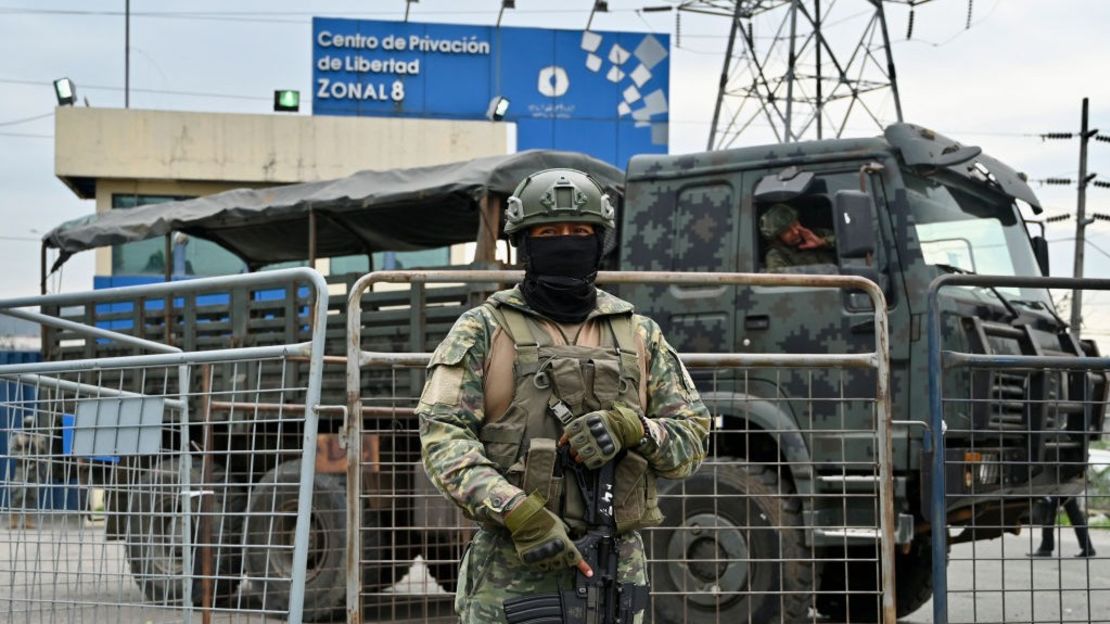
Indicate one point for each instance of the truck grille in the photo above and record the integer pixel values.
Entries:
(1007, 401)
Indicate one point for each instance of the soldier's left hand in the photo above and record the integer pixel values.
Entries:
(595, 438)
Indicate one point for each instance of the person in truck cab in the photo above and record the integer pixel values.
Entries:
(789, 244)
(554, 362)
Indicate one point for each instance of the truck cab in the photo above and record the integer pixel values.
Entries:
(906, 207)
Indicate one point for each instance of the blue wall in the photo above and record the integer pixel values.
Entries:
(599, 92)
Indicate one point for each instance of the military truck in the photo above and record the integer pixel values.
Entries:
(921, 205)
(930, 206)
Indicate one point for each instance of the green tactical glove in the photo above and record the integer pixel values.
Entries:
(541, 539)
(598, 436)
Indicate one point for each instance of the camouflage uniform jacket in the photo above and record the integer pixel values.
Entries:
(454, 405)
(781, 256)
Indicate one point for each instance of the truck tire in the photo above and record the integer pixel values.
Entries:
(768, 575)
(271, 523)
(326, 576)
(152, 534)
(913, 577)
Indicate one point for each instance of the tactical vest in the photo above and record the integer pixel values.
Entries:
(552, 384)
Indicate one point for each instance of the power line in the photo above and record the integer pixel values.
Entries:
(39, 83)
(1087, 241)
(27, 135)
(15, 122)
(264, 16)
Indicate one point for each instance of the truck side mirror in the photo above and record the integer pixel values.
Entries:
(855, 224)
(1040, 251)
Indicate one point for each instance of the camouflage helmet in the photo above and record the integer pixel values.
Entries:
(777, 218)
(558, 196)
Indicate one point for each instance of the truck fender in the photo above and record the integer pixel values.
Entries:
(738, 412)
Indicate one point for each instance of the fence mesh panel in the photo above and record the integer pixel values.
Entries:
(1017, 483)
(782, 523)
(129, 494)
(1027, 493)
(167, 486)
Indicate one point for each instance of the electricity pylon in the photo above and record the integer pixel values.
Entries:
(807, 76)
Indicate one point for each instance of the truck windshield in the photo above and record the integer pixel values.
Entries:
(979, 232)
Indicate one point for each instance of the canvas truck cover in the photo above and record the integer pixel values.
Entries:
(393, 210)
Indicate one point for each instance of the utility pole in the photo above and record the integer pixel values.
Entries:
(1081, 221)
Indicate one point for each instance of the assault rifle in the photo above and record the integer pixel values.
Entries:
(599, 599)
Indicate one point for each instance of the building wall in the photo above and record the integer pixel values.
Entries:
(133, 144)
(101, 152)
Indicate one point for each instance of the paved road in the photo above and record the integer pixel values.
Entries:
(1002, 585)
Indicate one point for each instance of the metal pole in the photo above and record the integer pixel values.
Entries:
(167, 311)
(724, 77)
(820, 42)
(311, 239)
(938, 516)
(127, 54)
(489, 221)
(1081, 223)
(167, 257)
(889, 59)
(788, 135)
(42, 269)
(207, 503)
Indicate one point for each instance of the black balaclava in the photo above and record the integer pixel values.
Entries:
(559, 273)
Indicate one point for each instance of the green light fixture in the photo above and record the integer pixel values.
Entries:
(287, 101)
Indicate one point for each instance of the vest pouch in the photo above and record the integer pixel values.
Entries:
(635, 503)
(502, 440)
(539, 472)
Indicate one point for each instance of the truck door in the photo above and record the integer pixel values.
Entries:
(684, 225)
(813, 320)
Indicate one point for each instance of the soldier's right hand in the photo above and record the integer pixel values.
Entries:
(540, 538)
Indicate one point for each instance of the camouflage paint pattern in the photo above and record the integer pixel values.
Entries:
(794, 320)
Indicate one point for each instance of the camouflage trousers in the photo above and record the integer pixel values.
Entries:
(492, 572)
(26, 479)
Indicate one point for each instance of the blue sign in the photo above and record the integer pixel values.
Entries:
(602, 93)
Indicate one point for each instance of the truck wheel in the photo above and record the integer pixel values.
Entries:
(271, 525)
(913, 577)
(152, 534)
(325, 581)
(730, 513)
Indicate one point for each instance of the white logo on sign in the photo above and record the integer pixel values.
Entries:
(553, 81)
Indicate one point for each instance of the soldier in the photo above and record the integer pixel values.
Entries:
(554, 345)
(1047, 508)
(791, 244)
(28, 448)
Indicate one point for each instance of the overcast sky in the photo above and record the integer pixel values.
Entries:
(1019, 71)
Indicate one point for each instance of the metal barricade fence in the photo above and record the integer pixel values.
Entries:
(164, 486)
(788, 520)
(1017, 409)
